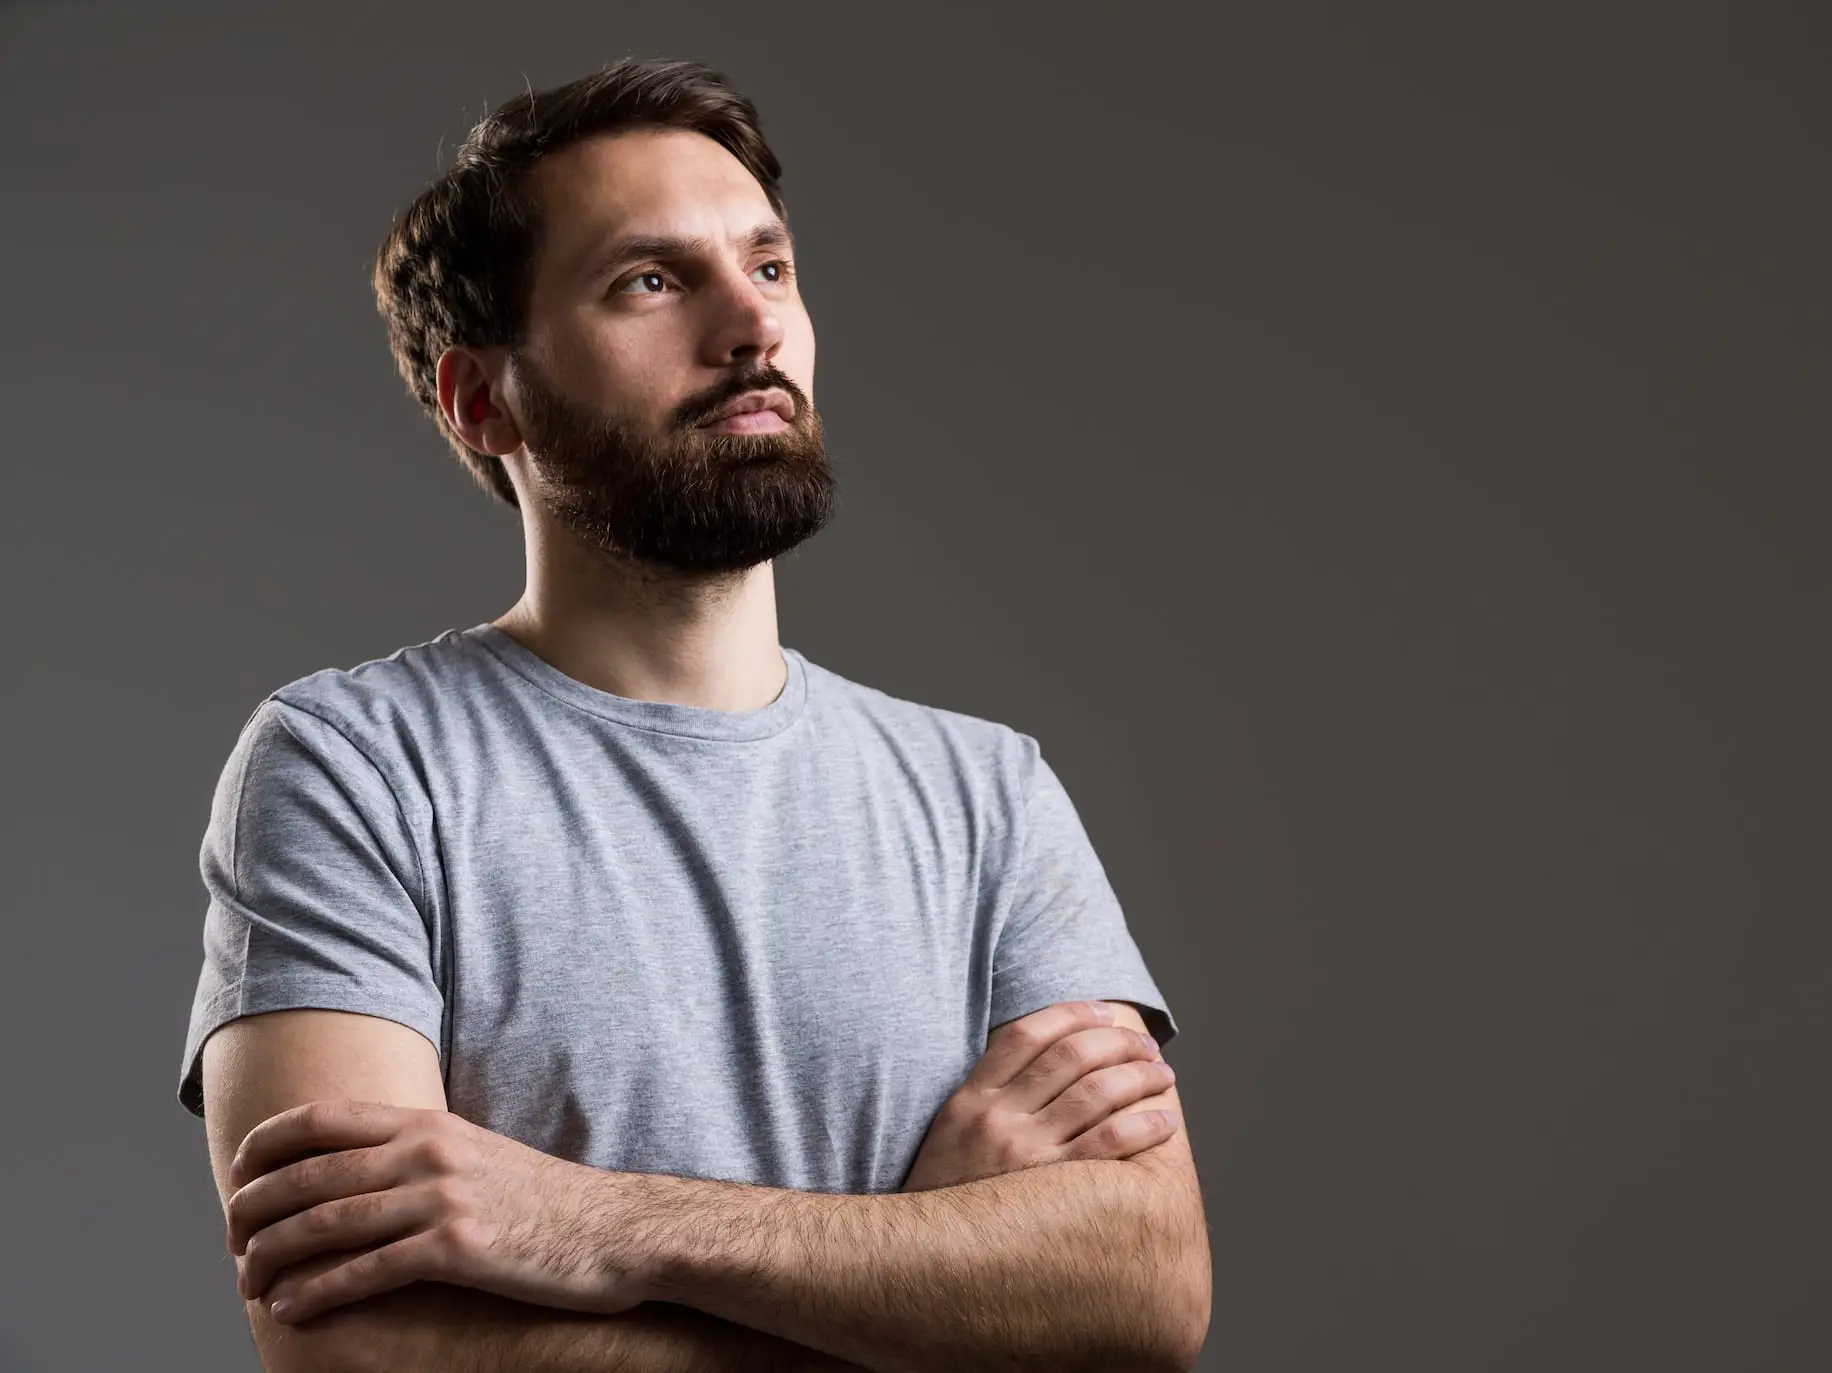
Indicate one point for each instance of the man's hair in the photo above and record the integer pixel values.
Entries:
(456, 267)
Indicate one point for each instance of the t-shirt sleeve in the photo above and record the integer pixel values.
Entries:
(316, 890)
(1064, 937)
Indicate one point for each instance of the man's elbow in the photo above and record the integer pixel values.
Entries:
(1183, 1316)
(1163, 1320)
(1190, 1322)
(1164, 1335)
(1186, 1278)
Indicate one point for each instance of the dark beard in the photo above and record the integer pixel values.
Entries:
(686, 500)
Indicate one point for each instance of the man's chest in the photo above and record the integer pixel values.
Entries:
(764, 977)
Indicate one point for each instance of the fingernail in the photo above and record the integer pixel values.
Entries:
(281, 1310)
(1102, 1011)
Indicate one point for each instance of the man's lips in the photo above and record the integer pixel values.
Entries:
(747, 422)
(745, 411)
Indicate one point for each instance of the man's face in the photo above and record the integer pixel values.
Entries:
(634, 347)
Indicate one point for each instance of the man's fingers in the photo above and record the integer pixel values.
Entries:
(419, 1256)
(348, 1223)
(1015, 1044)
(1098, 1095)
(1122, 1136)
(301, 1186)
(316, 1127)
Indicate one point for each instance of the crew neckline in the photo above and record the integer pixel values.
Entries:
(660, 717)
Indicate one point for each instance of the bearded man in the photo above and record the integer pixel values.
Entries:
(606, 985)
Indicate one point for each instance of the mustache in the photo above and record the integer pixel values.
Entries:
(697, 408)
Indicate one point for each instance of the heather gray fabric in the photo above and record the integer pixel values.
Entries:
(762, 946)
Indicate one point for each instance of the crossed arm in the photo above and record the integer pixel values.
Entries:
(1096, 1264)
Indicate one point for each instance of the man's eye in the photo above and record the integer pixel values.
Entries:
(642, 278)
(639, 284)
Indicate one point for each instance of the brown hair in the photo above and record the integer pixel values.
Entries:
(456, 267)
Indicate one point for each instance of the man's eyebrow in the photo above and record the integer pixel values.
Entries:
(670, 247)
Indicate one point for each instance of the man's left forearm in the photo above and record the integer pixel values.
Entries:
(1078, 1265)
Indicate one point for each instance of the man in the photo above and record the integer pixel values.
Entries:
(606, 985)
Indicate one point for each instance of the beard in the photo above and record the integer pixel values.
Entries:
(683, 498)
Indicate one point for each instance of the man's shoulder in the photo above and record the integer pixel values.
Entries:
(383, 705)
(911, 726)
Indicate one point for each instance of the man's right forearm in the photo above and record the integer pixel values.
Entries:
(430, 1328)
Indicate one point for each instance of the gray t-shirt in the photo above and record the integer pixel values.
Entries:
(761, 946)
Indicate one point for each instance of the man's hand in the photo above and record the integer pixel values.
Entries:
(426, 1195)
(1049, 1088)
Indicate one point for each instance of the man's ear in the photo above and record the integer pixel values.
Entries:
(470, 397)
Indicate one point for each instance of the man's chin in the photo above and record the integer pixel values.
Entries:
(705, 563)
(694, 551)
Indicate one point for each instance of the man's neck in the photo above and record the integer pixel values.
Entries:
(708, 642)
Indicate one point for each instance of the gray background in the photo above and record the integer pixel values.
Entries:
(1378, 450)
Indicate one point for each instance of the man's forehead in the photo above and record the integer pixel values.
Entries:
(646, 187)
